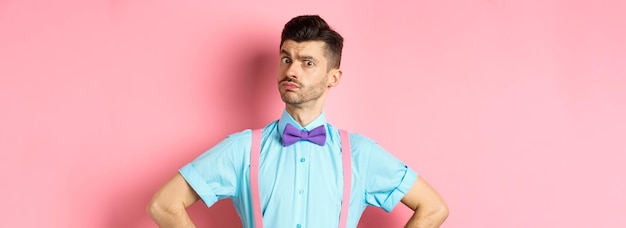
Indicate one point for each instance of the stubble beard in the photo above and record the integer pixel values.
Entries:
(303, 94)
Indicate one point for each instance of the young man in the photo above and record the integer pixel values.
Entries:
(300, 180)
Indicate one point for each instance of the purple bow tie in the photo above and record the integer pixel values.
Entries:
(291, 135)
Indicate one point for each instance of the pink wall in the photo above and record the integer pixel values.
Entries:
(513, 110)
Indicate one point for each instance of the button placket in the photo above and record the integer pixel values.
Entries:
(301, 182)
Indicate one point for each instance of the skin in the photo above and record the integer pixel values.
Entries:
(304, 80)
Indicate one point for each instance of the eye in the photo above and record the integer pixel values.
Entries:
(285, 60)
(309, 63)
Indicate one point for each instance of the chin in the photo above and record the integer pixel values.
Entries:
(290, 100)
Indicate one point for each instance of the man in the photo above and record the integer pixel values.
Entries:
(300, 181)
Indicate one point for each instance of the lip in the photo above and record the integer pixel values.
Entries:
(289, 85)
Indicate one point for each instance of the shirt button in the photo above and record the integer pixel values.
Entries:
(298, 226)
(301, 192)
(302, 159)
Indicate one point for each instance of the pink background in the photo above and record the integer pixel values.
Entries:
(513, 110)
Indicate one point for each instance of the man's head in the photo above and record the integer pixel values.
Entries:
(314, 28)
(310, 53)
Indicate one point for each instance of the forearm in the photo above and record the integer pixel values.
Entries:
(431, 218)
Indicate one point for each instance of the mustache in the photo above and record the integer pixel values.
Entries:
(292, 80)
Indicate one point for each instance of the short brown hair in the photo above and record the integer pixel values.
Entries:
(314, 28)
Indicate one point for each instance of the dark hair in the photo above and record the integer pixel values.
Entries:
(314, 28)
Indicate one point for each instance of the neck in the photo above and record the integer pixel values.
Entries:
(303, 116)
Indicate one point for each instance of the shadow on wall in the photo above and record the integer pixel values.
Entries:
(250, 101)
(246, 86)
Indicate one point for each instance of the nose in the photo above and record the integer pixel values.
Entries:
(292, 71)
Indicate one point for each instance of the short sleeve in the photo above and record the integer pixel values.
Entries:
(388, 179)
(215, 174)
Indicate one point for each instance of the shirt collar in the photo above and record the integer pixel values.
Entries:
(287, 119)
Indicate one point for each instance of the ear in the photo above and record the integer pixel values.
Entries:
(334, 76)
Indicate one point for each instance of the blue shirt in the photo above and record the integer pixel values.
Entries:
(301, 185)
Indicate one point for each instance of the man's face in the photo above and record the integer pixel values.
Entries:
(303, 74)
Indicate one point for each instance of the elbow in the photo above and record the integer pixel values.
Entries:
(441, 213)
(156, 209)
(436, 213)
(164, 209)
(432, 216)
(444, 212)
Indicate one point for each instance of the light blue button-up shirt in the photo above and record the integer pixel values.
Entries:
(302, 184)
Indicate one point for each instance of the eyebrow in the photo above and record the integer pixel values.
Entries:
(305, 57)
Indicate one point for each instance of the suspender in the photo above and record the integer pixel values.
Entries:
(255, 152)
(347, 177)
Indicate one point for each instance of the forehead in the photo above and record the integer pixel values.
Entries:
(313, 48)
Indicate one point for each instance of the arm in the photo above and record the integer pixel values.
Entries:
(430, 209)
(168, 206)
